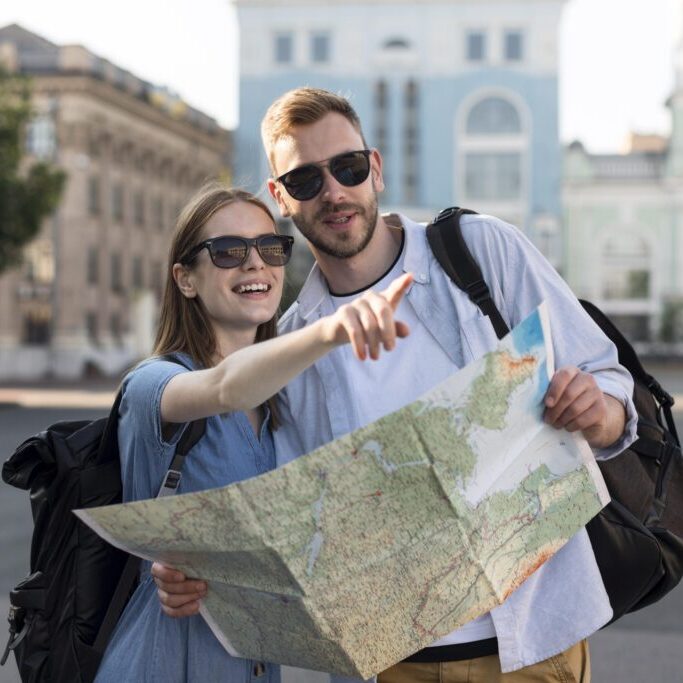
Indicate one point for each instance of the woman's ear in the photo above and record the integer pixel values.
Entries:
(184, 281)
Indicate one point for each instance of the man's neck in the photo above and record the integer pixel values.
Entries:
(358, 272)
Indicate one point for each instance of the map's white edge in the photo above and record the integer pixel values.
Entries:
(85, 517)
(548, 339)
(216, 630)
(591, 465)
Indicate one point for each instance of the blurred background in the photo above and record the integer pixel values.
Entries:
(564, 117)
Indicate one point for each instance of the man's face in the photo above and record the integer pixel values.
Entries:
(340, 220)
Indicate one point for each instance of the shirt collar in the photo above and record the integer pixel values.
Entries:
(416, 260)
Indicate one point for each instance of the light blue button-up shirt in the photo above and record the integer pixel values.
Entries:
(565, 600)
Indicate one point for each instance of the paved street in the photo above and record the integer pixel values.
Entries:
(646, 647)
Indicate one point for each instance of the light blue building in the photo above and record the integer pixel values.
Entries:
(460, 97)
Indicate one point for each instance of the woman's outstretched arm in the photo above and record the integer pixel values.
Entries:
(248, 377)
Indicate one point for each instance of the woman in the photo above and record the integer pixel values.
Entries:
(224, 284)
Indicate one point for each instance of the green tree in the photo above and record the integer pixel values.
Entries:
(28, 193)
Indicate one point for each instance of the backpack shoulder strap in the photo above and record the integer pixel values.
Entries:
(191, 435)
(451, 251)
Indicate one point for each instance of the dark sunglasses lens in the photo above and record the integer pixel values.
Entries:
(275, 250)
(350, 169)
(228, 252)
(303, 183)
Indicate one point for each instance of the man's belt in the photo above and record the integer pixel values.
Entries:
(455, 653)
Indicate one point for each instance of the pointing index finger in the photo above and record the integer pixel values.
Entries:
(395, 291)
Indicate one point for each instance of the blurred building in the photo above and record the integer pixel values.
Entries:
(460, 97)
(623, 225)
(86, 296)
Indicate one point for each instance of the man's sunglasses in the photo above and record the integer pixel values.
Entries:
(231, 252)
(349, 169)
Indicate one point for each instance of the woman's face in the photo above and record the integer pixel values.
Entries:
(241, 298)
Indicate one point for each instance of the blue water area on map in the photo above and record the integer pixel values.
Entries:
(528, 335)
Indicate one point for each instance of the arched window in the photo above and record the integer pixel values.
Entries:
(626, 267)
(493, 143)
(493, 116)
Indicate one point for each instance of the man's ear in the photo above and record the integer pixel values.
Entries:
(376, 170)
(184, 281)
(275, 191)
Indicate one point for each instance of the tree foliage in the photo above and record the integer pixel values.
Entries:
(28, 192)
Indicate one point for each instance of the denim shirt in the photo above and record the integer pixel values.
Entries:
(147, 645)
(565, 600)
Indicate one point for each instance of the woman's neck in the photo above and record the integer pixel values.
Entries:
(229, 341)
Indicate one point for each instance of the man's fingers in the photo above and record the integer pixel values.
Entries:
(384, 318)
(369, 323)
(558, 385)
(565, 412)
(353, 330)
(589, 419)
(395, 291)
(402, 329)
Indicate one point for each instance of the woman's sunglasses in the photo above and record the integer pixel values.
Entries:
(305, 182)
(231, 252)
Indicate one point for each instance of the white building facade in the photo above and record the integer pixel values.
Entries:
(623, 227)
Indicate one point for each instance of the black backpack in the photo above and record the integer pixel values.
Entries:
(638, 538)
(63, 613)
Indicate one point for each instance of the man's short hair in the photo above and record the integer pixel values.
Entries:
(300, 107)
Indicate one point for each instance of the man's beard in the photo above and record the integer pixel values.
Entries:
(339, 244)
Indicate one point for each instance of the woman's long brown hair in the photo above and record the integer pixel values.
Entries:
(184, 324)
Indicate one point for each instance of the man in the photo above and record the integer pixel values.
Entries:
(327, 181)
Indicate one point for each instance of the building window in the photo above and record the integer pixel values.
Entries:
(115, 328)
(41, 137)
(493, 116)
(117, 202)
(158, 212)
(382, 123)
(410, 142)
(138, 280)
(156, 278)
(476, 46)
(320, 48)
(284, 48)
(93, 266)
(626, 268)
(92, 328)
(139, 208)
(94, 196)
(36, 328)
(495, 176)
(493, 150)
(116, 280)
(396, 43)
(514, 46)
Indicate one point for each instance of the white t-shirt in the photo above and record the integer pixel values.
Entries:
(394, 380)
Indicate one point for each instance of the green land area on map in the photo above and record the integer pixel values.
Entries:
(373, 546)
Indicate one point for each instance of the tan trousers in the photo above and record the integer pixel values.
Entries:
(570, 666)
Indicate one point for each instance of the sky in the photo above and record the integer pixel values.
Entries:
(616, 56)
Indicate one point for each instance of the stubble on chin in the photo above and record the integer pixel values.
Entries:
(342, 244)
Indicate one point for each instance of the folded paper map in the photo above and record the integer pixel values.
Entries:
(373, 546)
